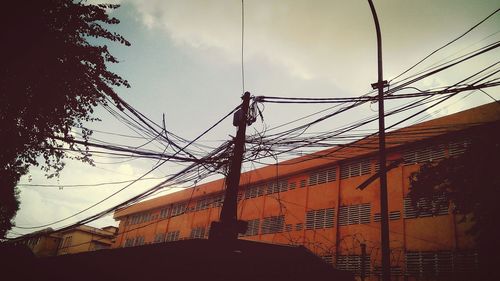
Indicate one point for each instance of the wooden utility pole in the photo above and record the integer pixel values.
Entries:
(384, 225)
(228, 227)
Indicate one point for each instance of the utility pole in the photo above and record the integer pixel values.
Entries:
(228, 227)
(384, 213)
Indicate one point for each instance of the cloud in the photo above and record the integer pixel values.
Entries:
(330, 40)
(308, 40)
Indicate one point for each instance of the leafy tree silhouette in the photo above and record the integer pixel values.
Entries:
(471, 182)
(51, 78)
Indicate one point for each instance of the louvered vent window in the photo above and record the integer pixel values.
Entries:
(178, 208)
(202, 203)
(159, 238)
(393, 215)
(239, 198)
(172, 236)
(458, 147)
(140, 218)
(299, 226)
(209, 202)
(288, 228)
(129, 242)
(273, 224)
(465, 261)
(253, 228)
(328, 259)
(139, 241)
(425, 207)
(354, 214)
(424, 154)
(323, 176)
(318, 219)
(353, 263)
(275, 187)
(303, 183)
(164, 213)
(441, 263)
(395, 271)
(292, 185)
(354, 169)
(218, 199)
(197, 232)
(283, 186)
(254, 191)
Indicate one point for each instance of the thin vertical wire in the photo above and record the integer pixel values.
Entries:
(242, 44)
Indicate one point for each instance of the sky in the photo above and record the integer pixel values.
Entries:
(185, 62)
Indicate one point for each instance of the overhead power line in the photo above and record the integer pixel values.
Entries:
(446, 45)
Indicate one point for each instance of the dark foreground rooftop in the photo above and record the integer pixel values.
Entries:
(182, 260)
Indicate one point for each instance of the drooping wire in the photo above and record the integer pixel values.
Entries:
(446, 45)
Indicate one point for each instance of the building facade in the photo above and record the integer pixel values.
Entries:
(45, 243)
(313, 201)
(85, 239)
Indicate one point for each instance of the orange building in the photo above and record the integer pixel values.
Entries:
(313, 201)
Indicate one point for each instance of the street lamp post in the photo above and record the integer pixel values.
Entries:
(384, 236)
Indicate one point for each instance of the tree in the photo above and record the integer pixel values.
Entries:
(471, 182)
(54, 72)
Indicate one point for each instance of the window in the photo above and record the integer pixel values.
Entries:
(324, 176)
(164, 213)
(218, 199)
(67, 241)
(354, 214)
(395, 271)
(441, 263)
(458, 147)
(318, 219)
(159, 238)
(140, 218)
(129, 242)
(209, 202)
(275, 187)
(139, 241)
(253, 228)
(328, 259)
(423, 154)
(302, 183)
(202, 203)
(273, 224)
(197, 232)
(292, 185)
(355, 168)
(172, 236)
(299, 226)
(178, 209)
(393, 215)
(254, 191)
(425, 207)
(353, 263)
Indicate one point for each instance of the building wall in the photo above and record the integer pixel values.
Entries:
(44, 245)
(77, 241)
(318, 206)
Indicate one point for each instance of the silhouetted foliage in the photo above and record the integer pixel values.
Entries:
(471, 182)
(50, 79)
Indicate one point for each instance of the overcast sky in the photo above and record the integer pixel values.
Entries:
(185, 62)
